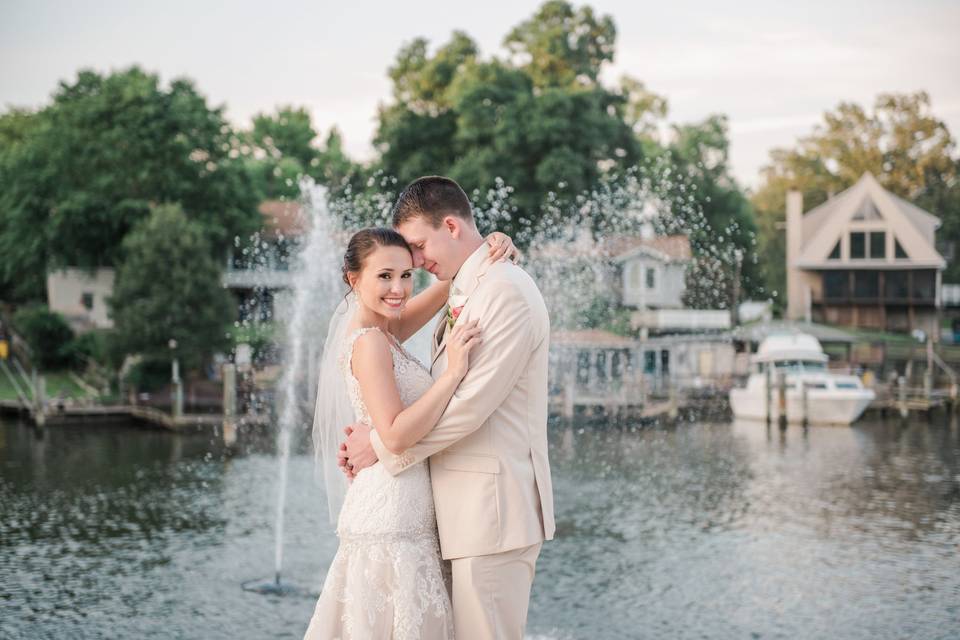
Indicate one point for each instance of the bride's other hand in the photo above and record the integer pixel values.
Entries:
(502, 247)
(360, 453)
(461, 341)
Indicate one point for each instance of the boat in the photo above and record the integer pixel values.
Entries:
(813, 394)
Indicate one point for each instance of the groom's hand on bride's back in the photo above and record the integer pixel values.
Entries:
(356, 453)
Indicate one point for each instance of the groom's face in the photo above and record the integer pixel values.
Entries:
(434, 248)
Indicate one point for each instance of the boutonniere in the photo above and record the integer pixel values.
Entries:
(454, 307)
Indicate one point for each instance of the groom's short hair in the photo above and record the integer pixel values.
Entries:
(432, 198)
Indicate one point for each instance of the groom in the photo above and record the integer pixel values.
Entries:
(488, 452)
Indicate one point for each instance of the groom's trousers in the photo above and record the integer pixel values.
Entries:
(491, 594)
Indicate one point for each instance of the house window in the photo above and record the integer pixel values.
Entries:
(664, 362)
(835, 254)
(858, 245)
(616, 365)
(878, 244)
(898, 251)
(601, 366)
(86, 299)
(836, 284)
(867, 211)
(651, 278)
(896, 285)
(649, 361)
(924, 285)
(583, 367)
(866, 284)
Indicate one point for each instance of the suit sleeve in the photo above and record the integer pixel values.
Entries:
(509, 337)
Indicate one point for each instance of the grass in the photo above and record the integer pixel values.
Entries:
(58, 382)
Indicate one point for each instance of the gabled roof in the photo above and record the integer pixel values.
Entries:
(824, 226)
(282, 218)
(674, 248)
(590, 338)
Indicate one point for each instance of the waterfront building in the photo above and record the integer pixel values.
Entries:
(653, 284)
(258, 271)
(80, 296)
(864, 258)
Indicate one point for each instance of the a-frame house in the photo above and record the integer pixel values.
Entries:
(864, 258)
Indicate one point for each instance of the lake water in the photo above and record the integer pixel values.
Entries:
(700, 530)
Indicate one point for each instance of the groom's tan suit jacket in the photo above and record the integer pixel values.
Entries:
(488, 452)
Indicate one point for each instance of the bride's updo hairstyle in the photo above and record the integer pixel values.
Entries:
(365, 242)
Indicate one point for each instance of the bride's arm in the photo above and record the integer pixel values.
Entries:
(399, 427)
(428, 302)
(420, 309)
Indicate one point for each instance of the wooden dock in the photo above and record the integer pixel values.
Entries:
(907, 400)
(128, 413)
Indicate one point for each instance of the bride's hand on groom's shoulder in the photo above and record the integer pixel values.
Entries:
(502, 247)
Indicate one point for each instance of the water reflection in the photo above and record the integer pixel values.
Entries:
(698, 530)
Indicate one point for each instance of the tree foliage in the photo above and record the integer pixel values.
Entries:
(168, 287)
(726, 264)
(540, 120)
(282, 148)
(78, 175)
(48, 334)
(561, 46)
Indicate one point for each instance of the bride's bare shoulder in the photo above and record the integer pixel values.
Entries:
(371, 353)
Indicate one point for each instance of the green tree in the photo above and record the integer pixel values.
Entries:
(168, 286)
(715, 214)
(900, 142)
(561, 46)
(543, 129)
(287, 134)
(91, 164)
(282, 148)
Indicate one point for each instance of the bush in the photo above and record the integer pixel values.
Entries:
(150, 374)
(48, 335)
(92, 345)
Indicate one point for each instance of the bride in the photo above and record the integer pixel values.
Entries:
(385, 580)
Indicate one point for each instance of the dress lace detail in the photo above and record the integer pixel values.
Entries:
(386, 579)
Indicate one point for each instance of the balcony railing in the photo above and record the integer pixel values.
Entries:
(681, 319)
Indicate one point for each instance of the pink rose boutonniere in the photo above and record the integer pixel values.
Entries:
(454, 307)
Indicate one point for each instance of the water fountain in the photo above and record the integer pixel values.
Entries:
(316, 290)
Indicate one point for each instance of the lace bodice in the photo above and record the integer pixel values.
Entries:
(412, 377)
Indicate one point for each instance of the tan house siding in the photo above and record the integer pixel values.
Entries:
(81, 296)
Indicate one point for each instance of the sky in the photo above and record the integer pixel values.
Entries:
(772, 67)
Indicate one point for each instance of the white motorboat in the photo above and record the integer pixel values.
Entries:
(812, 392)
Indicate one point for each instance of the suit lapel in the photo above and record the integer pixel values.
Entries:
(437, 337)
(440, 336)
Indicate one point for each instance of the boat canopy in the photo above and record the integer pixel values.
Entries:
(790, 346)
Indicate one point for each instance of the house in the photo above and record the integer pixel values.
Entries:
(258, 273)
(653, 271)
(653, 283)
(80, 295)
(864, 258)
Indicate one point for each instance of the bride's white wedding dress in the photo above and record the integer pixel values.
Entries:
(385, 581)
